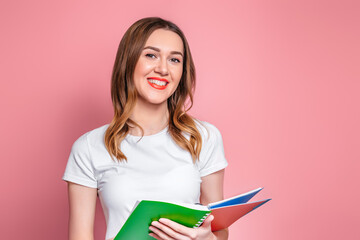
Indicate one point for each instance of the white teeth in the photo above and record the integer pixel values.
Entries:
(157, 82)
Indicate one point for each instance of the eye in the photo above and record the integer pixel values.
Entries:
(175, 60)
(150, 55)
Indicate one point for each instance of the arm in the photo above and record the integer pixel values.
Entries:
(82, 203)
(212, 191)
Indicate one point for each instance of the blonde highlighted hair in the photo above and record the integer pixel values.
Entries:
(124, 94)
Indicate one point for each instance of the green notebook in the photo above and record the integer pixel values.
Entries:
(137, 225)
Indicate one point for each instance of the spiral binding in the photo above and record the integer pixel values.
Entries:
(201, 220)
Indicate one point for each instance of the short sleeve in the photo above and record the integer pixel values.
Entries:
(79, 168)
(212, 156)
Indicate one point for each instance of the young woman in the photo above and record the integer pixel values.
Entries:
(152, 149)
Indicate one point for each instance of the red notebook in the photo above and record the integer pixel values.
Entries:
(227, 211)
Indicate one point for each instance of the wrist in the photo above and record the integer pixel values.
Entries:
(213, 237)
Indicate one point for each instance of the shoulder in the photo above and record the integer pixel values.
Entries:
(212, 156)
(91, 138)
(208, 131)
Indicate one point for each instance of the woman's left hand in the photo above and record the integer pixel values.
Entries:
(165, 229)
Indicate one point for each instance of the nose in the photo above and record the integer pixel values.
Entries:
(161, 67)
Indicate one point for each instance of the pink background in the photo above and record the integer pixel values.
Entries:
(280, 79)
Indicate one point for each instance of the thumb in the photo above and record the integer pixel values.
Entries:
(208, 221)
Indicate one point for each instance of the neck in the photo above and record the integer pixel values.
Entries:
(151, 117)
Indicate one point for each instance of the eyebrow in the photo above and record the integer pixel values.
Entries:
(158, 50)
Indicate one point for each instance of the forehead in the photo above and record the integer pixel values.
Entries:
(165, 40)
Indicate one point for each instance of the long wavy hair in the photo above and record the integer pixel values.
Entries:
(124, 94)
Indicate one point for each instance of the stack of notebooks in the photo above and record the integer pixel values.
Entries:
(226, 212)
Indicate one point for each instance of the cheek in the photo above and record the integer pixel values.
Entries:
(142, 68)
(177, 73)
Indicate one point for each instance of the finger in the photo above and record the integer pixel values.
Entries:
(177, 227)
(160, 233)
(208, 221)
(155, 236)
(168, 230)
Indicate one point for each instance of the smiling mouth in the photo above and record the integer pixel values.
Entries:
(158, 83)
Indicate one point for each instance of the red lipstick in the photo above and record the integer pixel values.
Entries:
(156, 86)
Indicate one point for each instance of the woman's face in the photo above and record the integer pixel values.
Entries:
(159, 68)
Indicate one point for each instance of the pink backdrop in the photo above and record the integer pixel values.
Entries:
(280, 79)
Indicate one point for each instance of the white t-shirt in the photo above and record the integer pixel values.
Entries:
(156, 169)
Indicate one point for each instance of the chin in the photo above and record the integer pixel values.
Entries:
(158, 102)
(154, 101)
